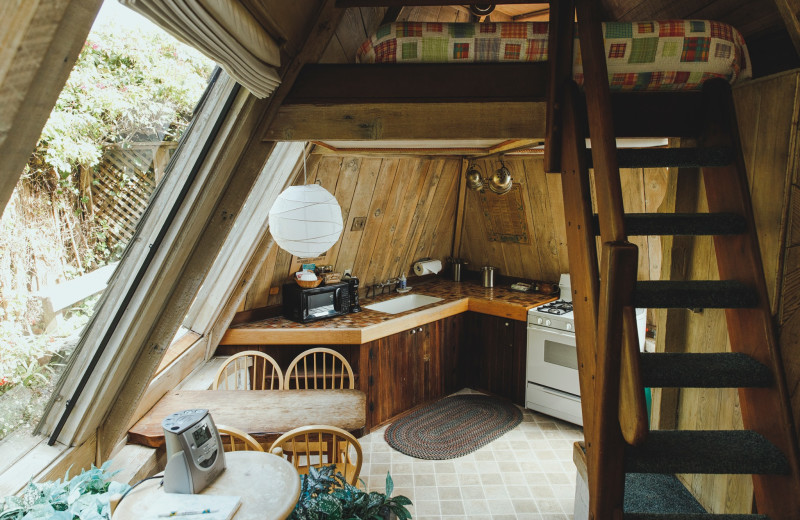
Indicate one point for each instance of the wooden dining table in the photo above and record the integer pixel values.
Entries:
(268, 487)
(258, 412)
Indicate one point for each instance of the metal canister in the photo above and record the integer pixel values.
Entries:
(487, 276)
(457, 265)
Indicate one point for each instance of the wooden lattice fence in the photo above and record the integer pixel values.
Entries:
(122, 185)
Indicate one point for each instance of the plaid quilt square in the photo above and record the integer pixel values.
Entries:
(462, 30)
(643, 50)
(539, 29)
(619, 30)
(537, 50)
(434, 49)
(697, 26)
(488, 28)
(721, 31)
(722, 50)
(386, 52)
(695, 49)
(487, 49)
(409, 51)
(671, 28)
(383, 31)
(671, 48)
(617, 50)
(645, 27)
(512, 51)
(514, 30)
(434, 27)
(409, 29)
(460, 51)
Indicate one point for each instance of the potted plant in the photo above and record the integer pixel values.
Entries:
(325, 495)
(84, 497)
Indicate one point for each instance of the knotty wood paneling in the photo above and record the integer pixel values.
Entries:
(545, 258)
(409, 205)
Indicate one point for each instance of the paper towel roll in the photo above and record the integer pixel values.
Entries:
(427, 267)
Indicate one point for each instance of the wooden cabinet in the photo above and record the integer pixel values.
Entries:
(493, 357)
(412, 367)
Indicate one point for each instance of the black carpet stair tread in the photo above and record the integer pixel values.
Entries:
(647, 493)
(715, 370)
(690, 516)
(706, 451)
(704, 294)
(670, 157)
(653, 224)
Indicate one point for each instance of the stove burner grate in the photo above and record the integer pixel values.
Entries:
(557, 307)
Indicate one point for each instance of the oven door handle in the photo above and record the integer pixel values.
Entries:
(548, 330)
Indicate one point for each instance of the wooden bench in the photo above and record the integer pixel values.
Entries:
(261, 413)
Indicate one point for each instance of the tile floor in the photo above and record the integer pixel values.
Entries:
(526, 474)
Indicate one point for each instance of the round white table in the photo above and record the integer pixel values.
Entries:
(268, 484)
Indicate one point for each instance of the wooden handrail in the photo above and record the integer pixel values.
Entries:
(583, 264)
(606, 470)
(632, 403)
(559, 54)
(601, 123)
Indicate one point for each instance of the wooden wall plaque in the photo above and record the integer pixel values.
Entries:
(505, 216)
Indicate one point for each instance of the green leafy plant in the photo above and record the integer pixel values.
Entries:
(84, 497)
(326, 495)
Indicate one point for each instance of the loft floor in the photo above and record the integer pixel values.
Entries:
(526, 474)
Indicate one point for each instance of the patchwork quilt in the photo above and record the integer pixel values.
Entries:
(658, 55)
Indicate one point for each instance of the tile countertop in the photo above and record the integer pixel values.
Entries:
(369, 325)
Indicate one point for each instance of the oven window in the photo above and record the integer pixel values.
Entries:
(560, 354)
(322, 301)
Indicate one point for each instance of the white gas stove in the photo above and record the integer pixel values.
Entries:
(552, 360)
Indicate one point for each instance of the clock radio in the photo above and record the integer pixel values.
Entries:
(194, 451)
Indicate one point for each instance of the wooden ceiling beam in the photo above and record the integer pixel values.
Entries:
(790, 12)
(409, 121)
(419, 82)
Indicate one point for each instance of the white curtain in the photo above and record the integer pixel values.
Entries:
(223, 30)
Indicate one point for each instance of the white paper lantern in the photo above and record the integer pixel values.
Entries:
(306, 220)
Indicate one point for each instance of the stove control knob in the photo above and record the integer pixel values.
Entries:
(569, 326)
(539, 321)
(547, 323)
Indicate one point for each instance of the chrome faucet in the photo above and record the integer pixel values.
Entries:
(382, 286)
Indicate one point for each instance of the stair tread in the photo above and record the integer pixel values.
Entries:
(706, 370)
(652, 224)
(647, 493)
(706, 451)
(670, 157)
(710, 294)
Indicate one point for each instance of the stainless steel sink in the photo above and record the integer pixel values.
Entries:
(403, 303)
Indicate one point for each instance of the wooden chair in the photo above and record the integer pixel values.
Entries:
(319, 368)
(249, 370)
(234, 439)
(320, 445)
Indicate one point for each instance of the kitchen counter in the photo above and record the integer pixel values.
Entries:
(369, 325)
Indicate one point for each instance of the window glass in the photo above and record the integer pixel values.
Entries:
(101, 154)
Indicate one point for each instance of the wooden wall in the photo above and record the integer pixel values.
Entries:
(545, 258)
(767, 110)
(409, 204)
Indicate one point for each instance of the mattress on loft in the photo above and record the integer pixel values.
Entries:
(659, 55)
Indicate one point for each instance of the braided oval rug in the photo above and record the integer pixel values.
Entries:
(453, 426)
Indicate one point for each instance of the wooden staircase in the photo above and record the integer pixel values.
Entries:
(606, 293)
